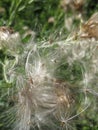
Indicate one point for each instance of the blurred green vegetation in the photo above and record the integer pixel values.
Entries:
(32, 13)
(24, 15)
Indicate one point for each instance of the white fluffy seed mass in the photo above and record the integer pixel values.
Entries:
(53, 83)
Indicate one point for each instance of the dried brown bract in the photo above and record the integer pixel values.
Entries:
(6, 29)
(51, 20)
(78, 4)
(72, 4)
(90, 28)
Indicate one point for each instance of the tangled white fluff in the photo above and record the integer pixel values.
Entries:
(48, 94)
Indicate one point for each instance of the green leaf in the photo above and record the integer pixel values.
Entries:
(30, 1)
(21, 8)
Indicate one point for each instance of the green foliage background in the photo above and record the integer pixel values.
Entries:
(34, 14)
